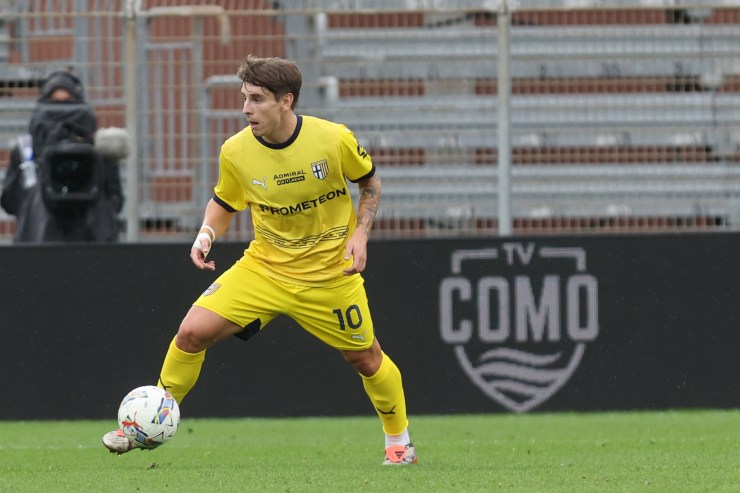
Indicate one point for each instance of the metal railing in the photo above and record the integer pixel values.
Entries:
(417, 83)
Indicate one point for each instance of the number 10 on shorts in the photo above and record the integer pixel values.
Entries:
(351, 317)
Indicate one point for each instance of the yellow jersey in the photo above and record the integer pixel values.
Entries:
(298, 195)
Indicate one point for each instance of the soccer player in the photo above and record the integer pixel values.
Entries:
(308, 253)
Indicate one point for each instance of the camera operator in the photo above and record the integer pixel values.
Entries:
(63, 182)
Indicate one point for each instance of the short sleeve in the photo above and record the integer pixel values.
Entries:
(229, 190)
(356, 162)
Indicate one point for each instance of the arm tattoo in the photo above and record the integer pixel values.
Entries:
(368, 204)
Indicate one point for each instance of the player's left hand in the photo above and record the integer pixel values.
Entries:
(357, 251)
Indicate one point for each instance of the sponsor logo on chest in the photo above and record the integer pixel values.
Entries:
(290, 177)
(319, 169)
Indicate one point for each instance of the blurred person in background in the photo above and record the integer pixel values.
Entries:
(63, 181)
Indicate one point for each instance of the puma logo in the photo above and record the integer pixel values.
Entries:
(262, 183)
(359, 337)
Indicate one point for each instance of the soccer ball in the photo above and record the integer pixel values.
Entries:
(149, 416)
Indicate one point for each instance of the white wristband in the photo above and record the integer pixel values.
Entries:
(199, 244)
(213, 233)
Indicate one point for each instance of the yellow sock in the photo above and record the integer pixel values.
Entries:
(180, 371)
(385, 390)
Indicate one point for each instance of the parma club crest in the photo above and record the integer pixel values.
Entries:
(211, 289)
(320, 169)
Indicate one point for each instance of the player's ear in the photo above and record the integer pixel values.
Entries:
(287, 101)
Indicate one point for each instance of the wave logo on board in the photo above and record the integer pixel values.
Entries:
(519, 318)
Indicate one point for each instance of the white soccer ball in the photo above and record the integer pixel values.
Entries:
(149, 416)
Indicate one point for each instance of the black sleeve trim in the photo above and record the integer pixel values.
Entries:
(366, 177)
(223, 204)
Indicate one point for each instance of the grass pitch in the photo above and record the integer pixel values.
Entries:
(676, 451)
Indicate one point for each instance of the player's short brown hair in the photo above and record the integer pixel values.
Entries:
(277, 75)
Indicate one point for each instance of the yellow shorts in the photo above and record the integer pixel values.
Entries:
(337, 313)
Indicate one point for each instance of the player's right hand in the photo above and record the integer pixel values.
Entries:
(198, 252)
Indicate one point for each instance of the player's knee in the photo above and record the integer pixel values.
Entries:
(188, 339)
(367, 361)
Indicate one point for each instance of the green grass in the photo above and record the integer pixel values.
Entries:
(681, 451)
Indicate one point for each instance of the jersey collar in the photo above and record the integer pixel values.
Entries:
(285, 144)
